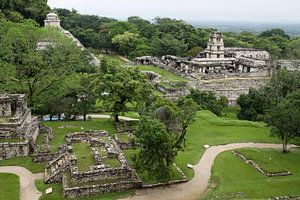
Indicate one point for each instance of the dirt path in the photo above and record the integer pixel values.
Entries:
(28, 190)
(100, 116)
(193, 189)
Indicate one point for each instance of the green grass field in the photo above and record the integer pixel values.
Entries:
(265, 161)
(84, 156)
(231, 174)
(212, 130)
(9, 186)
(164, 73)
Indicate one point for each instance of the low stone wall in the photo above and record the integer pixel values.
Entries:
(258, 168)
(102, 174)
(85, 191)
(9, 150)
(286, 197)
(42, 157)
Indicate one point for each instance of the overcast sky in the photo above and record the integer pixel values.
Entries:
(272, 11)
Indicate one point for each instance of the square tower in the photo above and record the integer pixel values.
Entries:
(215, 46)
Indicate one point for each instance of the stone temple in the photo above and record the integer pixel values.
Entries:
(52, 20)
(227, 71)
(18, 130)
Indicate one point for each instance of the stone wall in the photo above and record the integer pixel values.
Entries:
(88, 190)
(231, 88)
(9, 150)
(290, 65)
(101, 174)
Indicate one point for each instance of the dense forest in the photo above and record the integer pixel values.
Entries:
(138, 37)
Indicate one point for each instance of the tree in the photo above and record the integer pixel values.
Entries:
(207, 100)
(119, 86)
(194, 52)
(252, 105)
(85, 96)
(285, 119)
(168, 45)
(36, 10)
(126, 42)
(38, 69)
(187, 114)
(274, 32)
(155, 149)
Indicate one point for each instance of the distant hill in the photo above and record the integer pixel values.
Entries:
(291, 29)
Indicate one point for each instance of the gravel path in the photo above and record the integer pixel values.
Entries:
(28, 190)
(100, 116)
(193, 189)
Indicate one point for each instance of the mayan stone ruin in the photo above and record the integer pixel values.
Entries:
(109, 172)
(227, 71)
(18, 130)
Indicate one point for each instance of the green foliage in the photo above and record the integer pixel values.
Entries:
(118, 86)
(256, 105)
(194, 52)
(45, 73)
(155, 145)
(252, 105)
(168, 45)
(15, 10)
(207, 101)
(274, 32)
(126, 42)
(285, 118)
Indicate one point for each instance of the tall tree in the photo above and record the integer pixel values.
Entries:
(285, 119)
(118, 86)
(155, 149)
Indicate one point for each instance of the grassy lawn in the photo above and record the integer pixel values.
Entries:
(40, 139)
(24, 162)
(84, 156)
(112, 162)
(265, 161)
(9, 186)
(78, 126)
(15, 140)
(164, 73)
(113, 58)
(212, 130)
(231, 174)
(230, 112)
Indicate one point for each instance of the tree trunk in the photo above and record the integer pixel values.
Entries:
(116, 118)
(285, 143)
(84, 117)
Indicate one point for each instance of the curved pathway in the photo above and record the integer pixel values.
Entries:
(28, 190)
(193, 189)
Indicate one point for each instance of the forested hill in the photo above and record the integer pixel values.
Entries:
(139, 37)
